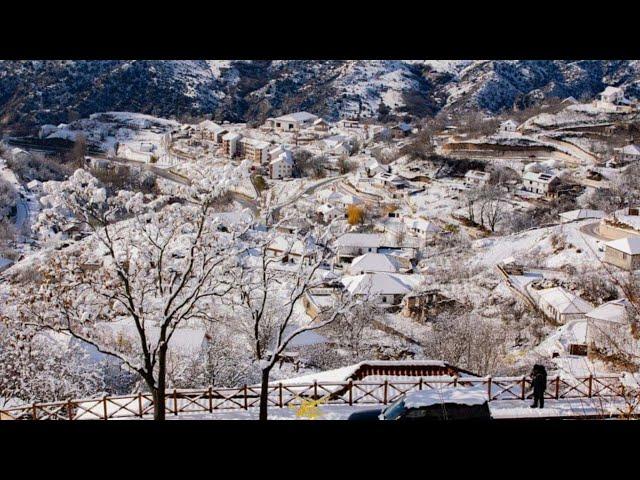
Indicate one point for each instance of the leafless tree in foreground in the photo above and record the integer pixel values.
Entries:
(145, 276)
(269, 298)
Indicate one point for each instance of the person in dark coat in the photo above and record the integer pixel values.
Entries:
(539, 383)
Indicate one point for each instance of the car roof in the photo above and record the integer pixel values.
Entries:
(469, 396)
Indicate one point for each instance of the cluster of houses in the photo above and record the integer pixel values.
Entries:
(612, 98)
(623, 156)
(274, 160)
(586, 327)
(270, 146)
(377, 270)
(370, 265)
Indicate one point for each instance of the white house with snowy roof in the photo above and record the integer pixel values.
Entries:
(289, 249)
(380, 287)
(373, 167)
(421, 227)
(608, 326)
(623, 253)
(508, 126)
(339, 199)
(329, 212)
(626, 154)
(611, 96)
(543, 183)
(211, 131)
(292, 122)
(138, 152)
(352, 245)
(560, 304)
(281, 166)
(374, 262)
(581, 214)
(230, 144)
(476, 178)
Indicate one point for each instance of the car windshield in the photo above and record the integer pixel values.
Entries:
(394, 410)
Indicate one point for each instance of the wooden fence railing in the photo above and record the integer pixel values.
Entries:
(282, 395)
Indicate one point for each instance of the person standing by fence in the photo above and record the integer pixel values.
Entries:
(539, 383)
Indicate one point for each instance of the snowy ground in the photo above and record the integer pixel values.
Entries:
(503, 409)
(491, 251)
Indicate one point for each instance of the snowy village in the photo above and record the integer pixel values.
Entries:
(305, 267)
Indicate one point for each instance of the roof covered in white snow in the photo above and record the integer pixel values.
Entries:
(614, 311)
(298, 117)
(564, 301)
(582, 213)
(368, 240)
(540, 177)
(436, 396)
(630, 245)
(377, 284)
(374, 262)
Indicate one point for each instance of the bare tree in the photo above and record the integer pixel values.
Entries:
(268, 300)
(470, 197)
(35, 367)
(149, 274)
(77, 154)
(491, 206)
(354, 332)
(468, 342)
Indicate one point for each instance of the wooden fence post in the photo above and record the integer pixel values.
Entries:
(246, 400)
(350, 392)
(489, 387)
(35, 411)
(175, 402)
(140, 408)
(455, 380)
(70, 409)
(105, 411)
(386, 391)
(280, 394)
(557, 387)
(315, 389)
(524, 386)
(590, 384)
(420, 384)
(210, 399)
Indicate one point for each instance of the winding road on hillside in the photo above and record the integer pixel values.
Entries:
(307, 191)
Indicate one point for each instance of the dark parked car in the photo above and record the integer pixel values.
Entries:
(461, 403)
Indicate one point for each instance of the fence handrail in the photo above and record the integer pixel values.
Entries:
(281, 394)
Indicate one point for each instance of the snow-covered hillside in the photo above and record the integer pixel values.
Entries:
(39, 92)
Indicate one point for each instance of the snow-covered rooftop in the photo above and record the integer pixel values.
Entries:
(288, 244)
(581, 213)
(612, 91)
(343, 374)
(630, 245)
(421, 224)
(259, 144)
(564, 301)
(367, 240)
(437, 396)
(376, 284)
(211, 126)
(613, 311)
(297, 117)
(540, 177)
(232, 136)
(374, 262)
(477, 175)
(630, 150)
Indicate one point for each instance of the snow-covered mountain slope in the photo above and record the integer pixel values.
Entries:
(37, 92)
